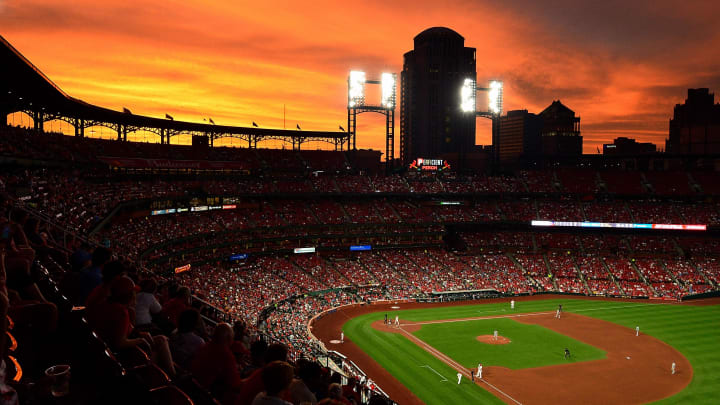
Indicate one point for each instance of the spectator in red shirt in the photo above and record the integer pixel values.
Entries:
(176, 305)
(214, 365)
(111, 319)
(101, 293)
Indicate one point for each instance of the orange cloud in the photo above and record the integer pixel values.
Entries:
(620, 67)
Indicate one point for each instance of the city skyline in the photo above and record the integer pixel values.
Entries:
(621, 67)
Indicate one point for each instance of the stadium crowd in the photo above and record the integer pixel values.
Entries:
(98, 274)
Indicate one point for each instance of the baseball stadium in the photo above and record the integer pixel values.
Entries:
(161, 261)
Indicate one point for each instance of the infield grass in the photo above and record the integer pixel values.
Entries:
(530, 346)
(692, 330)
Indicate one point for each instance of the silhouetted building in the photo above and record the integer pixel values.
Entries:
(628, 147)
(519, 135)
(695, 126)
(560, 135)
(431, 121)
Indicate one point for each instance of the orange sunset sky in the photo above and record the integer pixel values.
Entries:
(620, 65)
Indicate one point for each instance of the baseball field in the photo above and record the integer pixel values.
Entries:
(418, 360)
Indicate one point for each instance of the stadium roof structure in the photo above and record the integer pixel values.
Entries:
(24, 88)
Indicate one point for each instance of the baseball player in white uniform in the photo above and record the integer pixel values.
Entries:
(342, 337)
(397, 320)
(495, 335)
(672, 368)
(479, 372)
(460, 376)
(637, 331)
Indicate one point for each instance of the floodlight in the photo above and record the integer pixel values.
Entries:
(467, 96)
(356, 89)
(388, 90)
(495, 97)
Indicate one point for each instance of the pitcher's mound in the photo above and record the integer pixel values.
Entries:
(490, 339)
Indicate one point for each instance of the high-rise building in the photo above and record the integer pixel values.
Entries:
(695, 126)
(431, 121)
(560, 134)
(519, 135)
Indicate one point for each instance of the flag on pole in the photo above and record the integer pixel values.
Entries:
(255, 124)
(341, 128)
(126, 111)
(211, 121)
(298, 127)
(168, 116)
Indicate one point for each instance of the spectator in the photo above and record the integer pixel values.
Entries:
(176, 305)
(91, 277)
(300, 389)
(111, 319)
(276, 378)
(335, 396)
(253, 385)
(184, 342)
(110, 272)
(215, 367)
(147, 304)
(240, 343)
(258, 349)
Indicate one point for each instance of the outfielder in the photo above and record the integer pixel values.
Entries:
(512, 304)
(460, 376)
(479, 372)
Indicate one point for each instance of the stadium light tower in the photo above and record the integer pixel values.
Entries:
(357, 105)
(468, 95)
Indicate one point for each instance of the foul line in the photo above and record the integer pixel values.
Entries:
(480, 318)
(433, 370)
(447, 360)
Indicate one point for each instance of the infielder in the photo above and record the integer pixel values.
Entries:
(460, 376)
(512, 304)
(559, 310)
(672, 368)
(397, 320)
(637, 331)
(479, 372)
(495, 335)
(342, 337)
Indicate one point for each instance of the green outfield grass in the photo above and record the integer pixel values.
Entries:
(694, 331)
(531, 345)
